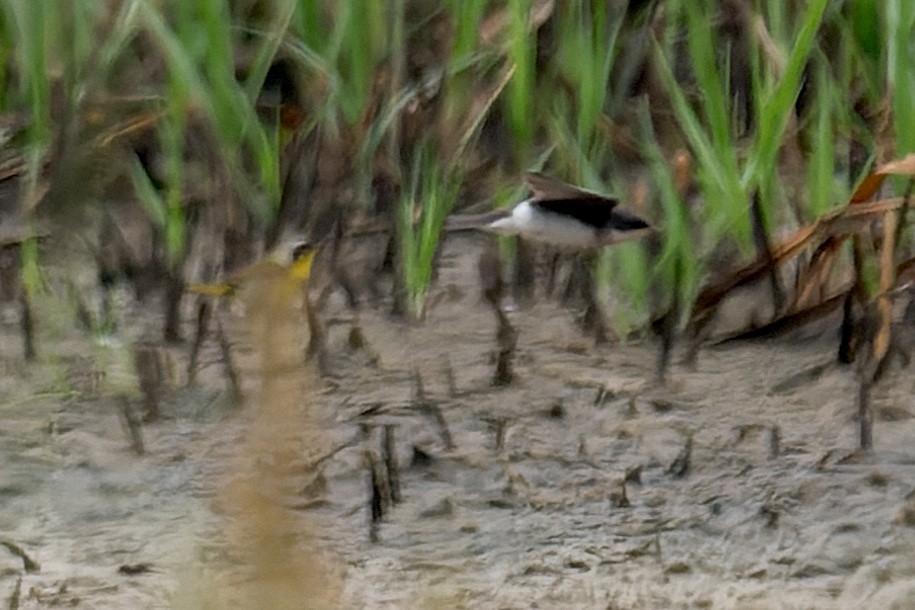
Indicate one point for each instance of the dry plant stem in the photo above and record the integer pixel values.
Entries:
(524, 276)
(892, 228)
(846, 354)
(109, 319)
(865, 416)
(228, 361)
(16, 594)
(149, 373)
(668, 328)
(883, 338)
(29, 565)
(887, 279)
(506, 341)
(83, 317)
(134, 425)
(764, 252)
(501, 425)
(27, 326)
(618, 497)
(775, 437)
(391, 466)
(375, 495)
(668, 333)
(593, 319)
(204, 310)
(449, 378)
(432, 410)
(680, 466)
(489, 267)
(317, 339)
(419, 390)
(174, 292)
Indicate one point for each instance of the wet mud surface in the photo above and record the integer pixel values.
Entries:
(584, 484)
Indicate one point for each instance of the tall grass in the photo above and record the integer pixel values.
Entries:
(559, 110)
(900, 24)
(421, 216)
(520, 99)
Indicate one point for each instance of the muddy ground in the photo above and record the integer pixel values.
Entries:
(582, 485)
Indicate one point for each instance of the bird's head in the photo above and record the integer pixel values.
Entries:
(303, 256)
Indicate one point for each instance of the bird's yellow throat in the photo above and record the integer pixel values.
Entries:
(295, 274)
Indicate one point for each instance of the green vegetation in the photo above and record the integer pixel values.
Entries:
(793, 100)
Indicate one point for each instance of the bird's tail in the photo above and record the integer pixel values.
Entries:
(465, 222)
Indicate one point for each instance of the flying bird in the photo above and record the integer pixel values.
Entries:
(562, 215)
(565, 215)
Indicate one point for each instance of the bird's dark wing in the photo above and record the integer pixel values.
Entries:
(623, 220)
(593, 209)
(595, 212)
(546, 188)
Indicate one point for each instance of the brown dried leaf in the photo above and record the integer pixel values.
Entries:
(495, 26)
(867, 188)
(839, 224)
(813, 279)
(899, 167)
(791, 321)
(870, 184)
(887, 278)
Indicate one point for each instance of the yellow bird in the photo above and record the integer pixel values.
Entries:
(273, 290)
(283, 272)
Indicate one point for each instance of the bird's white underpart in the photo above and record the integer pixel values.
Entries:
(527, 221)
